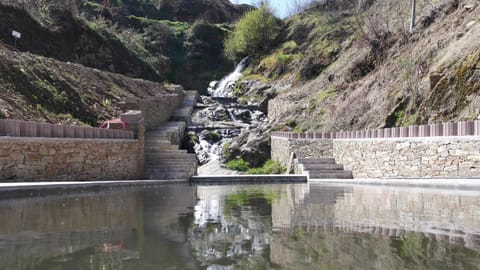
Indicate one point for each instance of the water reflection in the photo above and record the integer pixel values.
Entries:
(297, 226)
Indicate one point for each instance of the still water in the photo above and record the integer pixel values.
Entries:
(292, 226)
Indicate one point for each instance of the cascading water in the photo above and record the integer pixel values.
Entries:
(219, 118)
(225, 87)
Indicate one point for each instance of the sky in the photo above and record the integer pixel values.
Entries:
(280, 7)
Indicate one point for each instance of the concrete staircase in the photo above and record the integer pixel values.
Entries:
(323, 168)
(163, 158)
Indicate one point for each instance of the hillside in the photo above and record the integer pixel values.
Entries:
(152, 40)
(349, 67)
(77, 60)
(36, 88)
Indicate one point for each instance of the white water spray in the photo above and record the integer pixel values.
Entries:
(227, 84)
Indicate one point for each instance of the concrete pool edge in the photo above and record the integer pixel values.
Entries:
(46, 185)
(251, 179)
(407, 182)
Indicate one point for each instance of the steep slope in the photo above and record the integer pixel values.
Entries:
(36, 88)
(71, 39)
(350, 68)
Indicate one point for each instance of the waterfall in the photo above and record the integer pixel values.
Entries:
(219, 118)
(226, 85)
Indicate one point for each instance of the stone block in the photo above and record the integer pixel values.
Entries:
(12, 128)
(424, 131)
(436, 130)
(57, 131)
(387, 133)
(477, 127)
(69, 131)
(403, 132)
(450, 129)
(413, 131)
(2, 127)
(44, 130)
(466, 128)
(79, 132)
(395, 132)
(88, 133)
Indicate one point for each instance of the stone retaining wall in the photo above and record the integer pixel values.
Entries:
(156, 110)
(282, 147)
(69, 159)
(427, 157)
(410, 157)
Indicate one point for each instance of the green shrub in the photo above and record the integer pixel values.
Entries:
(226, 151)
(212, 137)
(253, 35)
(238, 165)
(270, 167)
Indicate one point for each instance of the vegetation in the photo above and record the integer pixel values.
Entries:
(238, 165)
(270, 167)
(253, 35)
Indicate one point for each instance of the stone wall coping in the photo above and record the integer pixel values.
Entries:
(18, 128)
(8, 139)
(448, 129)
(439, 138)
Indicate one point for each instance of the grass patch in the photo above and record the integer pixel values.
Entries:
(270, 167)
(328, 93)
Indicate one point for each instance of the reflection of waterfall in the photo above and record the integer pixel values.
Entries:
(225, 87)
(219, 118)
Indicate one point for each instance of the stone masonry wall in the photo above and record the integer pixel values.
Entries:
(393, 157)
(410, 157)
(69, 159)
(282, 147)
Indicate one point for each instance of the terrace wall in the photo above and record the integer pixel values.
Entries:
(38, 151)
(416, 152)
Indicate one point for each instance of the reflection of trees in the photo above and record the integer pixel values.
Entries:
(240, 236)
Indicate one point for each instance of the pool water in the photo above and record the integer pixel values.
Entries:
(290, 226)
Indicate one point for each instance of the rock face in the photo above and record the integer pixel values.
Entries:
(252, 145)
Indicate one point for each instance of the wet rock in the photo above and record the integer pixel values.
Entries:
(252, 146)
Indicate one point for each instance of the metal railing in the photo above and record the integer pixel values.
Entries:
(17, 128)
(464, 128)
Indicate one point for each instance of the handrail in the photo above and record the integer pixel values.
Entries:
(17, 128)
(463, 128)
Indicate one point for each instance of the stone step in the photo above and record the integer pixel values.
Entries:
(170, 169)
(321, 166)
(170, 124)
(161, 148)
(322, 160)
(167, 161)
(167, 152)
(326, 174)
(161, 157)
(167, 166)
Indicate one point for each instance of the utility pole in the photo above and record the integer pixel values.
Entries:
(412, 19)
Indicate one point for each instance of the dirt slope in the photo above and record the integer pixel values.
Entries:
(36, 88)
